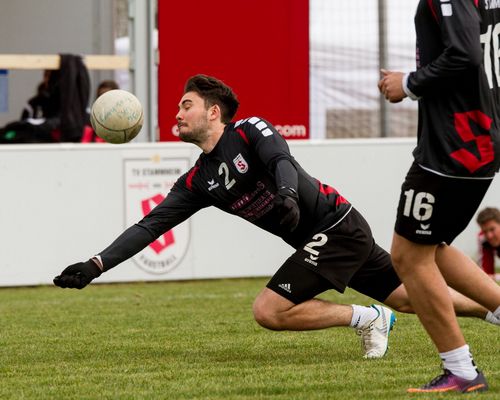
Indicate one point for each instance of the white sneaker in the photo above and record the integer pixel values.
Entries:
(490, 317)
(375, 336)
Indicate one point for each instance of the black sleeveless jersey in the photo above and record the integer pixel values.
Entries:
(458, 132)
(240, 176)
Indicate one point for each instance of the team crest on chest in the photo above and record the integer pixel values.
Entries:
(240, 163)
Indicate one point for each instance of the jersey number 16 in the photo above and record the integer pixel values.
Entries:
(490, 39)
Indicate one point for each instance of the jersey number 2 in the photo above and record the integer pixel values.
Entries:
(320, 239)
(224, 171)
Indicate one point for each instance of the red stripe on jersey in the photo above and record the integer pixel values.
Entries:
(326, 190)
(243, 135)
(476, 2)
(341, 200)
(433, 10)
(189, 179)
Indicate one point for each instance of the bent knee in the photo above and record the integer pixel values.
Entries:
(265, 315)
(409, 256)
(397, 257)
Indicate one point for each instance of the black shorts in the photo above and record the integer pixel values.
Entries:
(343, 256)
(434, 209)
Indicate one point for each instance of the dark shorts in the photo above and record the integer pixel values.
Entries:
(434, 209)
(343, 256)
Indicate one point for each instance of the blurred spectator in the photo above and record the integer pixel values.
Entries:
(39, 105)
(105, 86)
(58, 113)
(89, 135)
(489, 238)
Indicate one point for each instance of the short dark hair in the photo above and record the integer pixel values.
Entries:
(108, 84)
(213, 91)
(488, 214)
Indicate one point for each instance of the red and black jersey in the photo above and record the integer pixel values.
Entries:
(240, 176)
(458, 132)
(490, 39)
(487, 255)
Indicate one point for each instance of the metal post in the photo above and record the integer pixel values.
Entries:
(142, 66)
(383, 63)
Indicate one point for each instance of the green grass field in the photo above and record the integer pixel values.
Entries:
(198, 340)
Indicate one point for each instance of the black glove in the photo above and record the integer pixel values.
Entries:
(288, 209)
(78, 275)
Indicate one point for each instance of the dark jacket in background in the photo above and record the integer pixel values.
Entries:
(65, 103)
(70, 87)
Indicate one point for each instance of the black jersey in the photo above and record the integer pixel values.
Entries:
(457, 132)
(490, 39)
(240, 176)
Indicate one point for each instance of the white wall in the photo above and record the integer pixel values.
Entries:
(61, 204)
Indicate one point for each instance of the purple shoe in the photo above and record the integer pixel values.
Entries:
(448, 382)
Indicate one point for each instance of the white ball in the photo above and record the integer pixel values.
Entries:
(117, 116)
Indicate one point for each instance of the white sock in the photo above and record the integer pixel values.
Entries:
(490, 317)
(496, 313)
(362, 316)
(459, 362)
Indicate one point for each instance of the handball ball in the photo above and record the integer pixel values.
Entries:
(117, 116)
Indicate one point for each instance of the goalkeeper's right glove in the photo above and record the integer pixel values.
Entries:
(288, 209)
(78, 275)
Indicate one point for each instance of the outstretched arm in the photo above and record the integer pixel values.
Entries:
(179, 205)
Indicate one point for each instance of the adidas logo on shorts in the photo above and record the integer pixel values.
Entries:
(286, 287)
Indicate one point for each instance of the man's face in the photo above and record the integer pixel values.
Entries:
(192, 118)
(491, 231)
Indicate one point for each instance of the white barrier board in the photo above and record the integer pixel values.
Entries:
(63, 203)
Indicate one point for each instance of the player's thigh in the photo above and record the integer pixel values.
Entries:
(377, 277)
(296, 283)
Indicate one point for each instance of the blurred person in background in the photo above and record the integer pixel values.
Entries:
(39, 106)
(488, 220)
(106, 86)
(58, 113)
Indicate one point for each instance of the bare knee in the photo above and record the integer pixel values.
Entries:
(409, 258)
(267, 314)
(264, 315)
(398, 258)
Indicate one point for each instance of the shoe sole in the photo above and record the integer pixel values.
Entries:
(476, 388)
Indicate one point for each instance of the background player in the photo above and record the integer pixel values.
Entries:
(488, 220)
(246, 169)
(456, 158)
